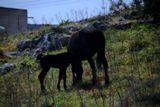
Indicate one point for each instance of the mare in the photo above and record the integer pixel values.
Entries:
(85, 44)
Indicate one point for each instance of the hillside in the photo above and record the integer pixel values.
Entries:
(133, 55)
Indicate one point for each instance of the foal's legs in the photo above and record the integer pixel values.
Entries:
(62, 73)
(41, 77)
(92, 65)
(64, 79)
(77, 71)
(74, 72)
(59, 79)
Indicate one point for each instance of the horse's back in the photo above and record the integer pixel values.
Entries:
(86, 42)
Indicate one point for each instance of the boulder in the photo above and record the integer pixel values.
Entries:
(7, 67)
(46, 42)
(121, 19)
(26, 51)
(36, 52)
(27, 43)
(83, 21)
(122, 26)
(59, 40)
(70, 29)
(11, 55)
(22, 69)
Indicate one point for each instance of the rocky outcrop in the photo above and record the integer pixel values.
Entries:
(27, 43)
(46, 42)
(7, 67)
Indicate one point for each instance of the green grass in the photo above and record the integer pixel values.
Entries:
(133, 56)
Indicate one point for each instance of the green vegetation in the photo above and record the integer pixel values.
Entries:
(133, 56)
(65, 22)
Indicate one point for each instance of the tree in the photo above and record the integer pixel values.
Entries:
(152, 8)
(136, 4)
(117, 5)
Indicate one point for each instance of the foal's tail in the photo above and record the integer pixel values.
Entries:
(40, 56)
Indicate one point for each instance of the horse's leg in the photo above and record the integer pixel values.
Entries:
(105, 65)
(79, 71)
(98, 63)
(64, 78)
(41, 77)
(73, 72)
(59, 79)
(92, 65)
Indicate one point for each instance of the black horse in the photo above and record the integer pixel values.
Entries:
(85, 44)
(60, 61)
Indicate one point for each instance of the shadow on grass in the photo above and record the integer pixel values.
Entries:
(87, 85)
(150, 100)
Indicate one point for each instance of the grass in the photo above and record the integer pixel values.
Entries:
(133, 56)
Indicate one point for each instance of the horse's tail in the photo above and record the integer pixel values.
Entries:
(40, 56)
(101, 59)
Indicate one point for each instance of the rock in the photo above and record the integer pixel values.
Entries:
(84, 21)
(22, 69)
(11, 54)
(127, 16)
(121, 19)
(100, 25)
(36, 52)
(122, 26)
(26, 51)
(46, 46)
(134, 13)
(7, 67)
(45, 42)
(27, 43)
(59, 40)
(70, 29)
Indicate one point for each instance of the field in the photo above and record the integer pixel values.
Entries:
(133, 56)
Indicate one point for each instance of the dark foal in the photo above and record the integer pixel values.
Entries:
(60, 61)
(85, 44)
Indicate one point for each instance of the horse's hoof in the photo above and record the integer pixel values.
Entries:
(58, 87)
(107, 83)
(65, 89)
(94, 82)
(74, 83)
(43, 92)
